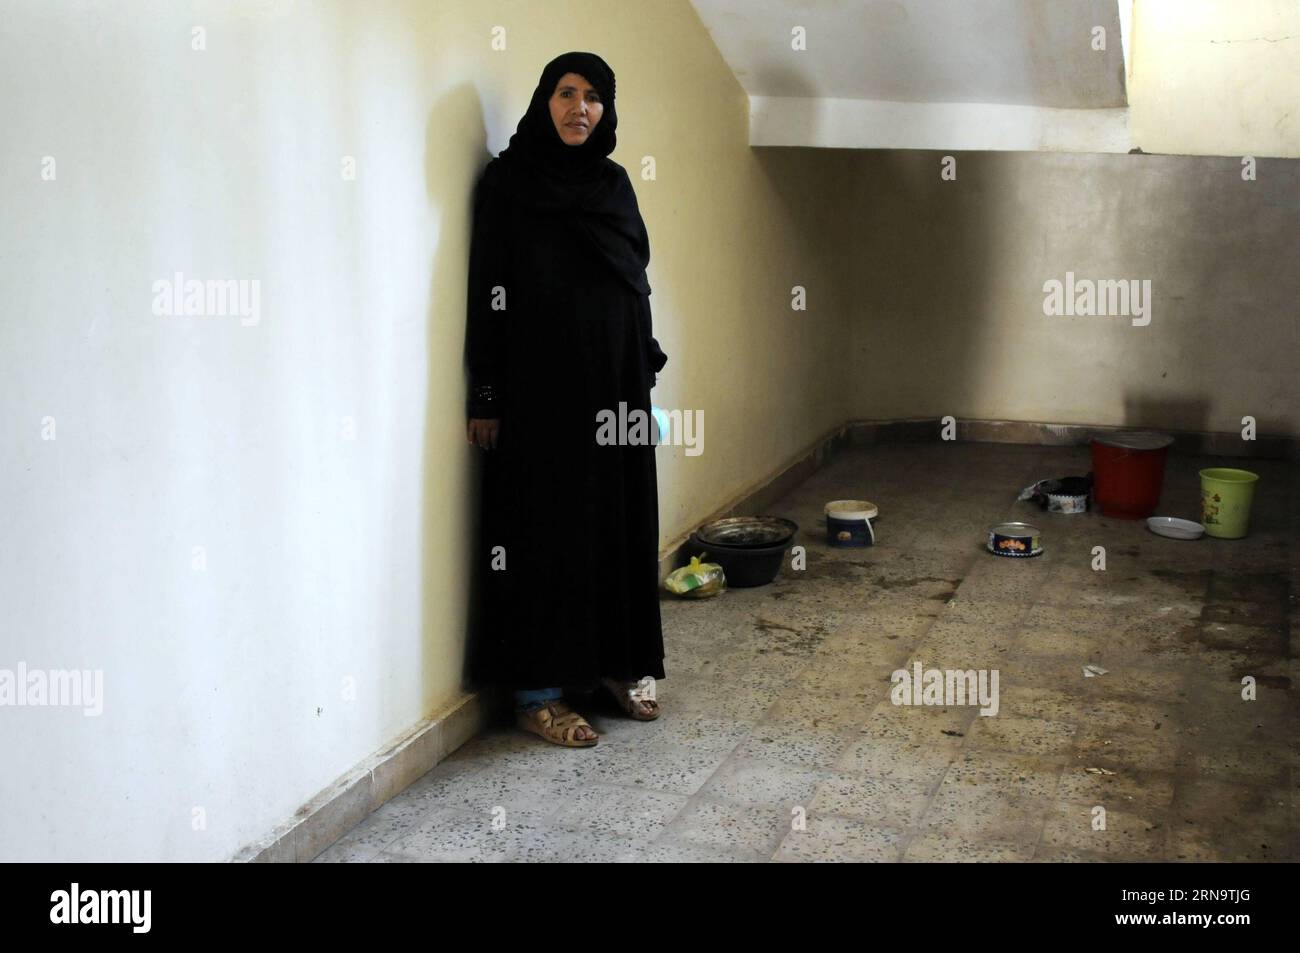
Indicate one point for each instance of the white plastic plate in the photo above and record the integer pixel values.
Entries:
(1175, 528)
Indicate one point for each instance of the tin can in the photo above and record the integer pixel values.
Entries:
(1017, 540)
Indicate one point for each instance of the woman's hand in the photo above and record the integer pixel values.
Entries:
(483, 432)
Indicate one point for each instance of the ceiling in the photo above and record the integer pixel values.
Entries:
(928, 73)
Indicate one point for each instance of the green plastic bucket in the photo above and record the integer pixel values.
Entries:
(1226, 495)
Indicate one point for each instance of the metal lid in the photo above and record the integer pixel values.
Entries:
(748, 531)
(1135, 440)
(1015, 529)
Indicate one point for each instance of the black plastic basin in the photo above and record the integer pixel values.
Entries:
(745, 566)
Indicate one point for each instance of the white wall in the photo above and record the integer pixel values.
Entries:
(326, 558)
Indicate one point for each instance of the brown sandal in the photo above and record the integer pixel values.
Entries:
(635, 697)
(558, 724)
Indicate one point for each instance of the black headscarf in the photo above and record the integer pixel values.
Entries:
(543, 172)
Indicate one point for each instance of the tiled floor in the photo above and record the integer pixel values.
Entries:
(779, 741)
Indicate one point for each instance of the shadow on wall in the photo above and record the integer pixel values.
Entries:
(445, 445)
(476, 616)
(1220, 252)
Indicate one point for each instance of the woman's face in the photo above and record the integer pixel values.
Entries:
(575, 109)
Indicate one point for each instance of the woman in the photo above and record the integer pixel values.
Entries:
(559, 330)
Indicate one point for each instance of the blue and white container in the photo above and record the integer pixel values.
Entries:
(848, 522)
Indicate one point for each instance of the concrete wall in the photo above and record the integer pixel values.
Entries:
(256, 529)
(950, 276)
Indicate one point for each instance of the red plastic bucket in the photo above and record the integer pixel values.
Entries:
(1128, 471)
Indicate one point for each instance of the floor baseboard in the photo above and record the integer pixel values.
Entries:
(347, 802)
(858, 433)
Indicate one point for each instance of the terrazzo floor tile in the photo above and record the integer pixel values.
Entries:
(1063, 855)
(888, 802)
(1115, 747)
(899, 759)
(515, 749)
(447, 835)
(1034, 736)
(377, 831)
(668, 851)
(1022, 775)
(794, 742)
(675, 725)
(949, 848)
(1114, 830)
(762, 784)
(516, 794)
(668, 767)
(985, 811)
(1056, 643)
(778, 708)
(1141, 789)
(799, 706)
(827, 838)
(621, 811)
(934, 725)
(721, 824)
(551, 845)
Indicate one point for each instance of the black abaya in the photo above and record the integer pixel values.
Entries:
(578, 521)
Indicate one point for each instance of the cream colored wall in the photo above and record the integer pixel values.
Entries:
(329, 614)
(1215, 77)
(950, 278)
(768, 379)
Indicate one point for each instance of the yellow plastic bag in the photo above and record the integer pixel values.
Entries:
(696, 580)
